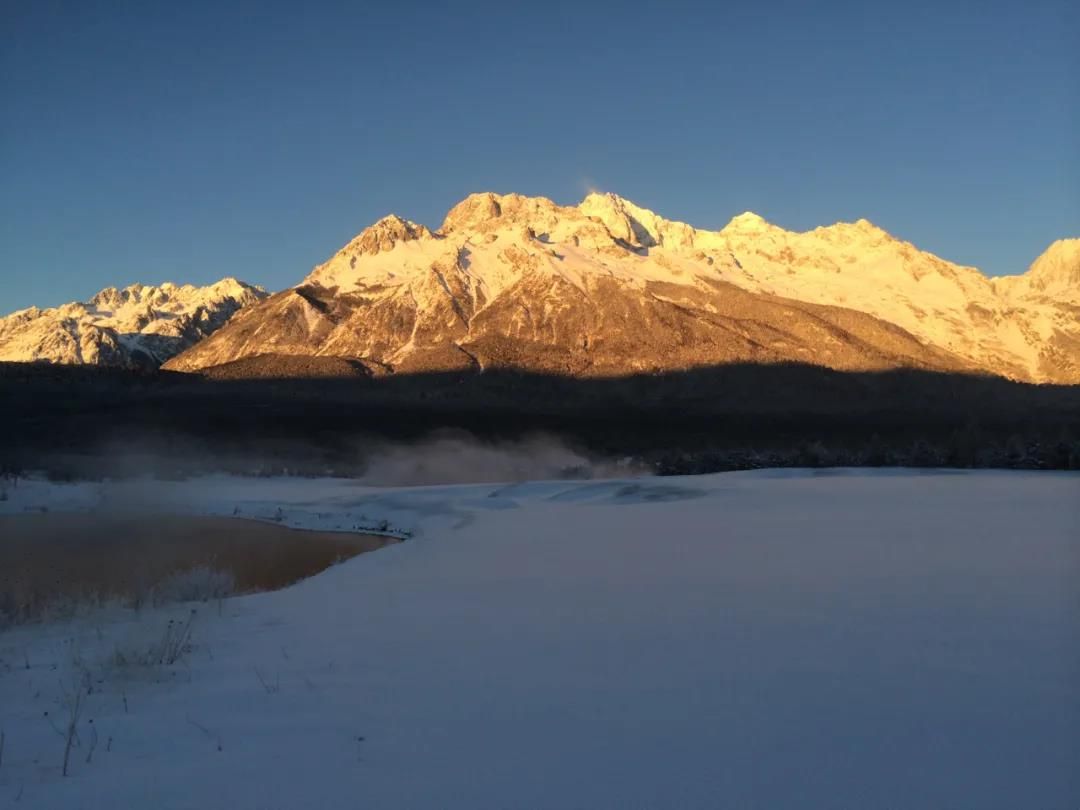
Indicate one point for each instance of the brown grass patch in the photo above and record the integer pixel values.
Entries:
(50, 560)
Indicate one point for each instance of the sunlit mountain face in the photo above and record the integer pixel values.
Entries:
(608, 287)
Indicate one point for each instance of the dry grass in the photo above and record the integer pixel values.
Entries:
(52, 563)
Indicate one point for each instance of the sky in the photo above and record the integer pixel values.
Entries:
(146, 141)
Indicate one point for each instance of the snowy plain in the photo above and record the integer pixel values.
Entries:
(789, 639)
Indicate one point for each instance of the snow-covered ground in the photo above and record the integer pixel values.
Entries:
(839, 640)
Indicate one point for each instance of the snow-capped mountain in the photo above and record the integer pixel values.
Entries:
(136, 327)
(607, 287)
(1026, 327)
(1053, 277)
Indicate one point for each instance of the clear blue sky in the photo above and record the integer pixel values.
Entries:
(145, 141)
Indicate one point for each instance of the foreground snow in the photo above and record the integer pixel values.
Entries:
(898, 640)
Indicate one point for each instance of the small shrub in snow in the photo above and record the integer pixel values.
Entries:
(171, 648)
(73, 706)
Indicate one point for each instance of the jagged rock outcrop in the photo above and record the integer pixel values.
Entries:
(136, 327)
(385, 234)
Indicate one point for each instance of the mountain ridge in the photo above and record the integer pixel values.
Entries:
(599, 288)
(509, 278)
(138, 326)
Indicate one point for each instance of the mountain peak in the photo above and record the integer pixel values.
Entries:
(861, 230)
(626, 221)
(638, 225)
(384, 234)
(478, 212)
(112, 298)
(230, 285)
(863, 226)
(1057, 268)
(473, 210)
(596, 200)
(747, 222)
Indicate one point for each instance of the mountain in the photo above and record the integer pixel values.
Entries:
(607, 287)
(136, 327)
(1025, 327)
(1054, 276)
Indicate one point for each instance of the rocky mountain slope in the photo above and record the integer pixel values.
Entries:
(136, 327)
(1025, 327)
(607, 287)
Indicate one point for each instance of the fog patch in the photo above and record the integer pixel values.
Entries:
(440, 457)
(463, 459)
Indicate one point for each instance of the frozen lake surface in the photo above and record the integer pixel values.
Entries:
(751, 640)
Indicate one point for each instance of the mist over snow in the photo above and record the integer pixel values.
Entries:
(459, 459)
